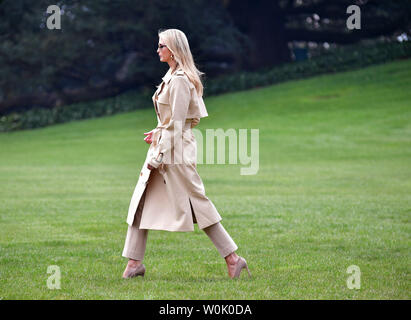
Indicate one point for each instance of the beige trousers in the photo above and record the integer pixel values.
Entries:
(136, 239)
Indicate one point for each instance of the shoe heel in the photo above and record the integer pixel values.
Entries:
(143, 272)
(241, 264)
(249, 273)
(245, 265)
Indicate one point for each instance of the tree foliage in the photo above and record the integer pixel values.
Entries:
(106, 47)
(103, 47)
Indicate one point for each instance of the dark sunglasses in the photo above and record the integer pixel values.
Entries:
(161, 46)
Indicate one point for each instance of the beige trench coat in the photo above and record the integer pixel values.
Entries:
(172, 196)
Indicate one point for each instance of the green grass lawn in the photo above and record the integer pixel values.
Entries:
(333, 190)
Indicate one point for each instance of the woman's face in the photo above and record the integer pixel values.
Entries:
(163, 52)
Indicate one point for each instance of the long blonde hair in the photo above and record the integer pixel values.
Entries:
(176, 41)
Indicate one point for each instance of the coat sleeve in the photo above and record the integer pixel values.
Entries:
(179, 103)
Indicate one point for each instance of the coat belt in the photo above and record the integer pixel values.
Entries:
(157, 131)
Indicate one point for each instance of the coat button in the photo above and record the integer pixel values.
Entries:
(141, 173)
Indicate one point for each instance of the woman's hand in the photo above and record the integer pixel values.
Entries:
(194, 122)
(149, 138)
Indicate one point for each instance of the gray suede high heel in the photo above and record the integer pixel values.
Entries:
(240, 265)
(140, 270)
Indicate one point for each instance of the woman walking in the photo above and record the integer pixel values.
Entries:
(170, 194)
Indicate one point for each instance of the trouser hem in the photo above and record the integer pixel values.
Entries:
(227, 250)
(133, 255)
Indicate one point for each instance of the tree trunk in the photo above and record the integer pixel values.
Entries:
(268, 34)
(263, 22)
